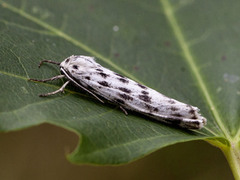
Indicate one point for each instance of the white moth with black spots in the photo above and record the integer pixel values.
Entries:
(87, 74)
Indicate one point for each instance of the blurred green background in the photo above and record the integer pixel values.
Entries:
(39, 153)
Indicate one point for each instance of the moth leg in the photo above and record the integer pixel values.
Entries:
(55, 92)
(49, 79)
(124, 110)
(48, 61)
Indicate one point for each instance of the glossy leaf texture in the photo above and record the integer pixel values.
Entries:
(187, 50)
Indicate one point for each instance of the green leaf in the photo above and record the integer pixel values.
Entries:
(187, 50)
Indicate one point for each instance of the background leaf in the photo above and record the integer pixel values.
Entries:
(185, 49)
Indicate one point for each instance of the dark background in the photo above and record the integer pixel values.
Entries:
(40, 153)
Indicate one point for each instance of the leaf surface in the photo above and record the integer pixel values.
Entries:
(187, 50)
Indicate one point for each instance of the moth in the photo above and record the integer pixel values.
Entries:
(100, 82)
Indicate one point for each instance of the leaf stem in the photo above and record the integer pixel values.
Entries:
(232, 154)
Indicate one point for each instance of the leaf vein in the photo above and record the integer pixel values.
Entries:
(67, 38)
(169, 13)
(136, 141)
(27, 28)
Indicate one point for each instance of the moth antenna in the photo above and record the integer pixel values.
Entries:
(48, 61)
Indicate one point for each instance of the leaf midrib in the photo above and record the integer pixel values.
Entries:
(169, 13)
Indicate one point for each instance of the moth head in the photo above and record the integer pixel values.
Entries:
(80, 63)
